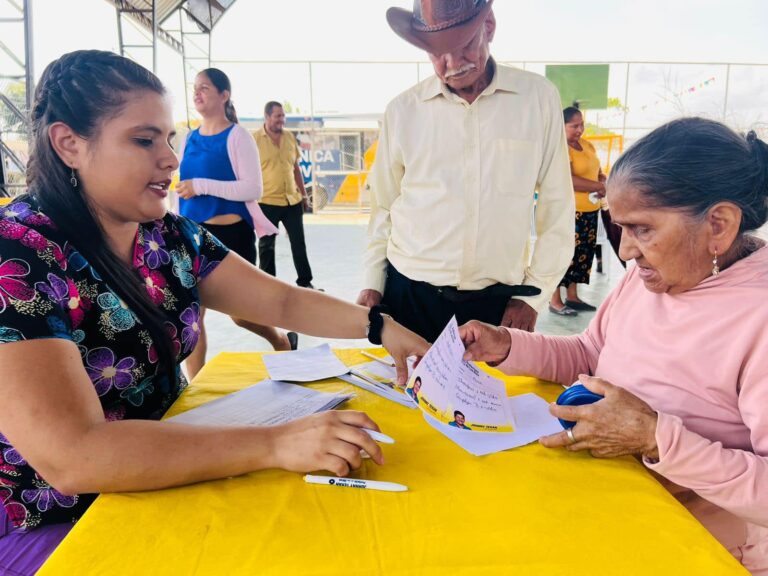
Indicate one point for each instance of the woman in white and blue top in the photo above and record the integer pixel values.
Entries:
(220, 183)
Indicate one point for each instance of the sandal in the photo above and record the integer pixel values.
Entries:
(564, 311)
(579, 305)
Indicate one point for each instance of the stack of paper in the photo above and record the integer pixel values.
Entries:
(378, 379)
(306, 365)
(267, 403)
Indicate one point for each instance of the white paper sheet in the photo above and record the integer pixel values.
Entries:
(532, 421)
(306, 365)
(267, 403)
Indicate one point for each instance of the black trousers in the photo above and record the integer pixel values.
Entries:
(292, 218)
(422, 308)
(238, 237)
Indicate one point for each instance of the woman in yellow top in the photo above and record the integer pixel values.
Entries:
(589, 187)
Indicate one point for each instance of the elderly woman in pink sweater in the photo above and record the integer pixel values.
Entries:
(679, 350)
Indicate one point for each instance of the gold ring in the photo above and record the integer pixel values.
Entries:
(569, 433)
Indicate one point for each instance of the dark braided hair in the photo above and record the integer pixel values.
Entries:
(691, 164)
(221, 82)
(82, 89)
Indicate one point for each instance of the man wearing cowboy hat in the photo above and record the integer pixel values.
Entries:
(460, 158)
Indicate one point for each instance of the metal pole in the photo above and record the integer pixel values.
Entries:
(154, 36)
(626, 106)
(184, 68)
(315, 195)
(29, 60)
(120, 30)
(727, 89)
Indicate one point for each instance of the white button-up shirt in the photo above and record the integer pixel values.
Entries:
(453, 187)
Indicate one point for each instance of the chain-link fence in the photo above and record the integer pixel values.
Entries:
(335, 165)
(641, 96)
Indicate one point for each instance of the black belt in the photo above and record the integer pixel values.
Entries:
(457, 296)
(453, 294)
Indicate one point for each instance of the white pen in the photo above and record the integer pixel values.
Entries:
(378, 436)
(355, 483)
(372, 357)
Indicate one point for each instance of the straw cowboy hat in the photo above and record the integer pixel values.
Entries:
(439, 26)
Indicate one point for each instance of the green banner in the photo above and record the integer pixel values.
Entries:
(586, 84)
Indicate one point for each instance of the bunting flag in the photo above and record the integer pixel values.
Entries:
(691, 89)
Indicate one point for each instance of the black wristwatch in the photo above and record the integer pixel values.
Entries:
(376, 317)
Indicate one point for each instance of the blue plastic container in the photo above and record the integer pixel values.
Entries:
(576, 395)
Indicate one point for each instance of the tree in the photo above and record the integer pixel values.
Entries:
(9, 122)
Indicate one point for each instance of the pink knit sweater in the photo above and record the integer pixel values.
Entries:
(700, 359)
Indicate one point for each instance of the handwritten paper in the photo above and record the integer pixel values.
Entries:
(267, 403)
(457, 393)
(306, 365)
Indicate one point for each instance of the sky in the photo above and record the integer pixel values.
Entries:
(356, 31)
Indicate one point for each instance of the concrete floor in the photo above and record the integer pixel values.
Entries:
(335, 243)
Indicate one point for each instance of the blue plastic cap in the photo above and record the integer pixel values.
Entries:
(576, 395)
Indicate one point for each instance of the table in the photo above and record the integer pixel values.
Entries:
(527, 511)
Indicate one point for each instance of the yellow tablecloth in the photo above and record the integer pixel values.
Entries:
(529, 511)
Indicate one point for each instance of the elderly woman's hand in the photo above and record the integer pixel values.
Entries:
(618, 425)
(484, 342)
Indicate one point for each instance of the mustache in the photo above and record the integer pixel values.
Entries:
(461, 70)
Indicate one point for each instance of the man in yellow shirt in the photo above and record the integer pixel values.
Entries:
(284, 197)
(460, 158)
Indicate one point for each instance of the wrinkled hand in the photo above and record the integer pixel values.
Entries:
(484, 342)
(618, 425)
(401, 343)
(519, 315)
(329, 441)
(369, 298)
(185, 189)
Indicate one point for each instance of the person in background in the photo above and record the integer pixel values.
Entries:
(678, 350)
(460, 158)
(100, 292)
(285, 198)
(220, 182)
(589, 188)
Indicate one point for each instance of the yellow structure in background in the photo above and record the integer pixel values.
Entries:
(609, 147)
(349, 191)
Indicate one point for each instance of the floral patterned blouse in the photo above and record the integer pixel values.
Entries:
(49, 290)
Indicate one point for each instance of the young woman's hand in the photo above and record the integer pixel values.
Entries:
(185, 189)
(401, 343)
(326, 441)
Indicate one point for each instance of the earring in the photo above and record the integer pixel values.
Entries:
(715, 267)
(73, 178)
